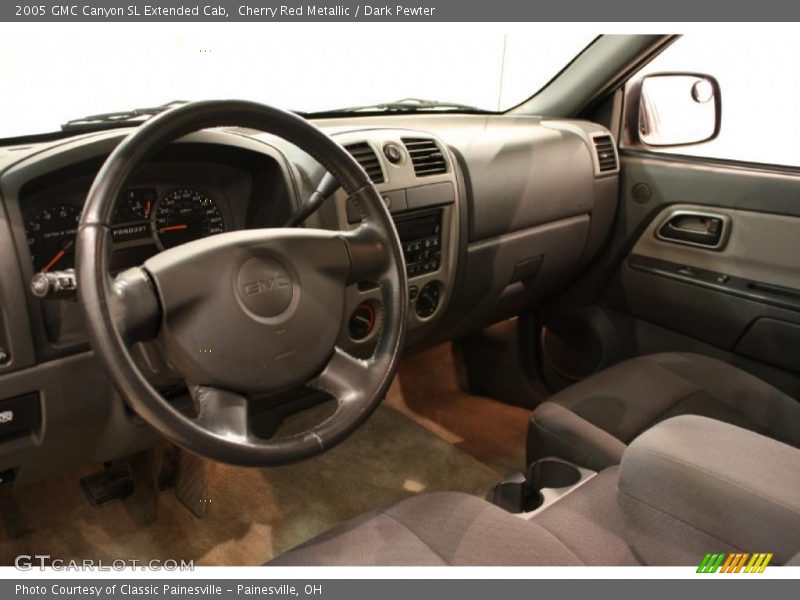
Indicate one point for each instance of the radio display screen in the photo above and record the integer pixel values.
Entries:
(419, 227)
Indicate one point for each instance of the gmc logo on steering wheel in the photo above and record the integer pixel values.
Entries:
(262, 286)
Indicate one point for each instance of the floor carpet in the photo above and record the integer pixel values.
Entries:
(427, 437)
(426, 390)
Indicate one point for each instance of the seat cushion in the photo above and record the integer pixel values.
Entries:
(434, 529)
(593, 525)
(591, 422)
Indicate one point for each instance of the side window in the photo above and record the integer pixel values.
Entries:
(759, 98)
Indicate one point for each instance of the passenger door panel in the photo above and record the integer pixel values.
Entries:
(741, 299)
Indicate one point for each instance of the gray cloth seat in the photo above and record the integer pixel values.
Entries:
(669, 503)
(591, 422)
(594, 525)
(445, 528)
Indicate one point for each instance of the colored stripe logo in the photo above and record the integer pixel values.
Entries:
(738, 562)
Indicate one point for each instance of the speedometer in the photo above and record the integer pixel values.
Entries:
(51, 236)
(185, 215)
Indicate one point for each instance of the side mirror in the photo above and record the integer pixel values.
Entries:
(679, 109)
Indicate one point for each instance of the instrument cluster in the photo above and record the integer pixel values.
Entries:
(143, 218)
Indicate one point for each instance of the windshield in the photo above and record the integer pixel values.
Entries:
(53, 73)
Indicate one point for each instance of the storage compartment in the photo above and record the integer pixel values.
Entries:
(433, 194)
(7, 476)
(547, 480)
(767, 339)
(508, 274)
(19, 416)
(576, 343)
(714, 316)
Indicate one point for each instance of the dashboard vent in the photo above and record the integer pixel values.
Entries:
(425, 156)
(606, 156)
(367, 158)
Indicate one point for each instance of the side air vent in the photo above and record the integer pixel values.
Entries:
(606, 155)
(367, 158)
(425, 156)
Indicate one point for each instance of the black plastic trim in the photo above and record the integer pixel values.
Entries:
(766, 293)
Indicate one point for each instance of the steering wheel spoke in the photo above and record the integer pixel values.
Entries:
(370, 255)
(343, 377)
(221, 412)
(134, 305)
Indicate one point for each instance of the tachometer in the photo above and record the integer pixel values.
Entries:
(51, 237)
(185, 215)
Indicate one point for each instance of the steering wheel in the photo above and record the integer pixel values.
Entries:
(244, 313)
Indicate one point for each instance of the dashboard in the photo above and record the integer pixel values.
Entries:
(493, 213)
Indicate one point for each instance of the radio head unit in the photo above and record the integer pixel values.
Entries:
(421, 238)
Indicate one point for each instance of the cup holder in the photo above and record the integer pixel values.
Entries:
(515, 496)
(521, 494)
(549, 473)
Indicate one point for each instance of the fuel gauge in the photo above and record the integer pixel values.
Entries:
(138, 204)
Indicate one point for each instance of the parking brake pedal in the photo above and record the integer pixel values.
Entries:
(112, 483)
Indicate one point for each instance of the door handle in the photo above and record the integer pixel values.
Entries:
(707, 230)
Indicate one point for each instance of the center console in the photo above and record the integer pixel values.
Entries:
(688, 481)
(415, 174)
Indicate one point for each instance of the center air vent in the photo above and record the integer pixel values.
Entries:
(606, 156)
(425, 156)
(367, 158)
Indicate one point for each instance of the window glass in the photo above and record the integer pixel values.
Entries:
(77, 69)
